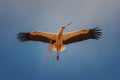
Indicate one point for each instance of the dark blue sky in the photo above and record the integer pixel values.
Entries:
(87, 60)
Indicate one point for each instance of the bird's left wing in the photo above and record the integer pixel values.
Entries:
(81, 35)
(37, 36)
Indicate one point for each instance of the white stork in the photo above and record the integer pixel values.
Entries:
(59, 40)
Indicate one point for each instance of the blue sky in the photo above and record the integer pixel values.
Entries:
(87, 60)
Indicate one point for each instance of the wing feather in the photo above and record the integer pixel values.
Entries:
(81, 35)
(36, 36)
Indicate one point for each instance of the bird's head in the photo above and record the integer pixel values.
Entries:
(63, 26)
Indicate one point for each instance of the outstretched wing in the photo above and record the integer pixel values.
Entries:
(36, 36)
(81, 35)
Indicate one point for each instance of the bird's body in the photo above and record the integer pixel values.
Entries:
(58, 45)
(59, 40)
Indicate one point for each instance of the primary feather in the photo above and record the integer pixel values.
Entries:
(36, 36)
(81, 35)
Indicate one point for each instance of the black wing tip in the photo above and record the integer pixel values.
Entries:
(22, 36)
(97, 33)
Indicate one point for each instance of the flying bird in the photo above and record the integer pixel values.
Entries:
(57, 41)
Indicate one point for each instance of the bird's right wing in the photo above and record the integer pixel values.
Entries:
(37, 36)
(81, 35)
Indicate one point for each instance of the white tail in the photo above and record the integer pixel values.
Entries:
(55, 48)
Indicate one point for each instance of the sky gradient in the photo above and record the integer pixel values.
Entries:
(87, 60)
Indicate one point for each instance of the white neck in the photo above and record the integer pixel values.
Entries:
(60, 32)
